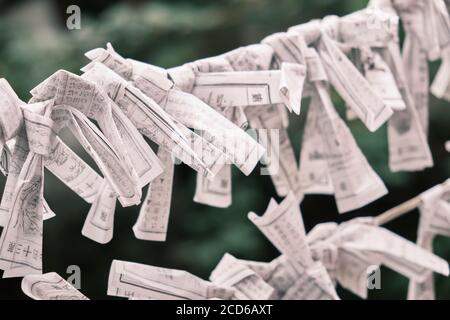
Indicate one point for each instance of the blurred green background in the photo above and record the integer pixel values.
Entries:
(34, 43)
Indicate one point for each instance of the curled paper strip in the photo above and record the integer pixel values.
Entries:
(50, 286)
(355, 183)
(440, 87)
(314, 174)
(99, 222)
(408, 147)
(134, 280)
(283, 225)
(352, 86)
(215, 193)
(153, 219)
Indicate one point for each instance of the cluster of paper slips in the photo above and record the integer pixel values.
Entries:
(228, 110)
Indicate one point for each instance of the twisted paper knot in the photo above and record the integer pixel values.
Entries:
(120, 65)
(133, 71)
(39, 129)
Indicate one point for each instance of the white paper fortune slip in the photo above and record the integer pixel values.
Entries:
(128, 279)
(50, 286)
